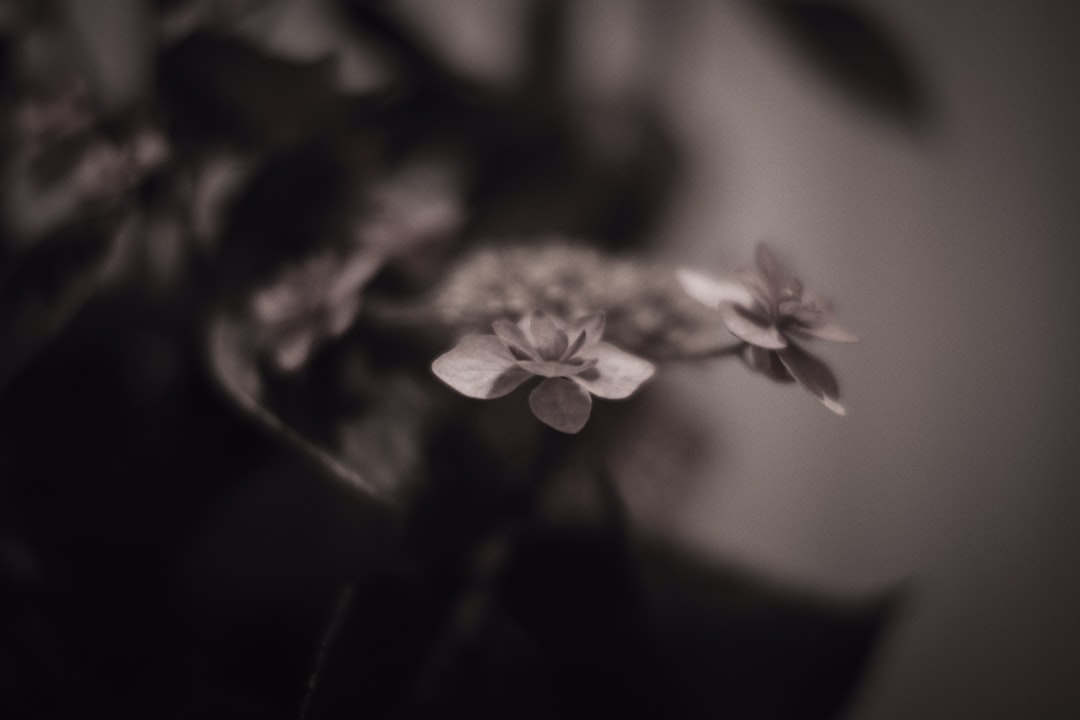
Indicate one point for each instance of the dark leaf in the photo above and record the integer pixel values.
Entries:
(233, 364)
(858, 53)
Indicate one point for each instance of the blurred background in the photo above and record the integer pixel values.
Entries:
(953, 253)
(930, 188)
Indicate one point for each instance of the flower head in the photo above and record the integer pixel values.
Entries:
(768, 308)
(570, 357)
(646, 311)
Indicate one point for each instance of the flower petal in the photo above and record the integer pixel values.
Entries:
(759, 289)
(766, 362)
(561, 404)
(617, 373)
(770, 268)
(341, 316)
(801, 314)
(751, 327)
(514, 338)
(830, 330)
(292, 352)
(546, 337)
(814, 375)
(551, 368)
(711, 292)
(480, 367)
(585, 331)
(592, 325)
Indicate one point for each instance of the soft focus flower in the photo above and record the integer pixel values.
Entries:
(768, 308)
(570, 357)
(312, 302)
(646, 311)
(309, 304)
(62, 164)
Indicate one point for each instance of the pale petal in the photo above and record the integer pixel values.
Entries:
(561, 404)
(514, 338)
(591, 325)
(802, 314)
(617, 373)
(343, 314)
(546, 337)
(814, 375)
(291, 353)
(585, 331)
(830, 330)
(759, 288)
(550, 368)
(480, 367)
(711, 292)
(577, 342)
(751, 327)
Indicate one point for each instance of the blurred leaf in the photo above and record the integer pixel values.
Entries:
(858, 53)
(233, 363)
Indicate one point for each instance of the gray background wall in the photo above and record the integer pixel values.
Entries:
(955, 257)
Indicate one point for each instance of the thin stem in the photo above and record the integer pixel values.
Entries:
(337, 619)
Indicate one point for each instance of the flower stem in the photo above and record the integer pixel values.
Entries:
(337, 618)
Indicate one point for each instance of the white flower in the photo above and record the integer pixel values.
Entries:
(570, 357)
(768, 308)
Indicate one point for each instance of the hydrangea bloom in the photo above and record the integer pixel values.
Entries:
(570, 357)
(646, 311)
(768, 308)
